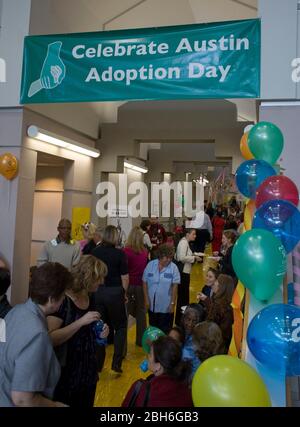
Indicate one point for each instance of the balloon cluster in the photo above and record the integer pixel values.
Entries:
(8, 166)
(259, 255)
(259, 260)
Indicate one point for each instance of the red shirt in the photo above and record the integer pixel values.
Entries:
(157, 234)
(136, 265)
(218, 226)
(165, 391)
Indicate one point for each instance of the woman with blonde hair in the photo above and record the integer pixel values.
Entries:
(72, 333)
(88, 230)
(137, 257)
(110, 299)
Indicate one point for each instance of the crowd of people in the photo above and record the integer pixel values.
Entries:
(52, 356)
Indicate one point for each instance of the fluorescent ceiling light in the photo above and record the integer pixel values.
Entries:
(134, 165)
(51, 138)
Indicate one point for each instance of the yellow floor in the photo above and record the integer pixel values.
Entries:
(112, 388)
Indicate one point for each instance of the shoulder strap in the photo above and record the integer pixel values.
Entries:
(135, 393)
(147, 394)
(187, 248)
(68, 319)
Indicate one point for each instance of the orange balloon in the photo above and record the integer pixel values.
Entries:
(248, 214)
(8, 165)
(246, 153)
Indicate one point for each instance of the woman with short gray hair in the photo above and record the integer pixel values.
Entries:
(29, 370)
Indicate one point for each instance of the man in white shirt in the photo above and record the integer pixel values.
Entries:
(202, 224)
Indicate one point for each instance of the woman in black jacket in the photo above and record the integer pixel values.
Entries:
(225, 261)
(110, 298)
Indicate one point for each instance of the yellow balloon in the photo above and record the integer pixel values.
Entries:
(8, 165)
(248, 214)
(246, 153)
(228, 382)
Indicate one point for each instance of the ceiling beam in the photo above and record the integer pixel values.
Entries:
(243, 3)
(122, 13)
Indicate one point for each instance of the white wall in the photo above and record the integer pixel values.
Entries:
(79, 169)
(16, 200)
(14, 27)
(286, 117)
(280, 25)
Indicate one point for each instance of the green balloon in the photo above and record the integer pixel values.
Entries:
(265, 141)
(151, 334)
(259, 260)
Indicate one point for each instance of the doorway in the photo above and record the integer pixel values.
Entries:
(48, 201)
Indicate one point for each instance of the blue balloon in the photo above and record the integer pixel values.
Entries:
(251, 174)
(273, 338)
(282, 218)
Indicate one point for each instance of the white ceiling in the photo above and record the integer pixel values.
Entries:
(66, 16)
(69, 16)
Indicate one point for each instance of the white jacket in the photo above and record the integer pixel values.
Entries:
(147, 241)
(185, 255)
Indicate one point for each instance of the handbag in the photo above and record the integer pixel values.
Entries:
(179, 265)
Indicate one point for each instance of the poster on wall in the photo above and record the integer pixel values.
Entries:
(118, 216)
(216, 60)
(80, 216)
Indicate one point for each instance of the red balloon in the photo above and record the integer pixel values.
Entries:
(275, 188)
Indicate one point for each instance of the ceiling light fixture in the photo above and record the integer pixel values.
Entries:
(51, 138)
(135, 165)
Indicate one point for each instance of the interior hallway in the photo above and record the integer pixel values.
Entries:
(112, 387)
